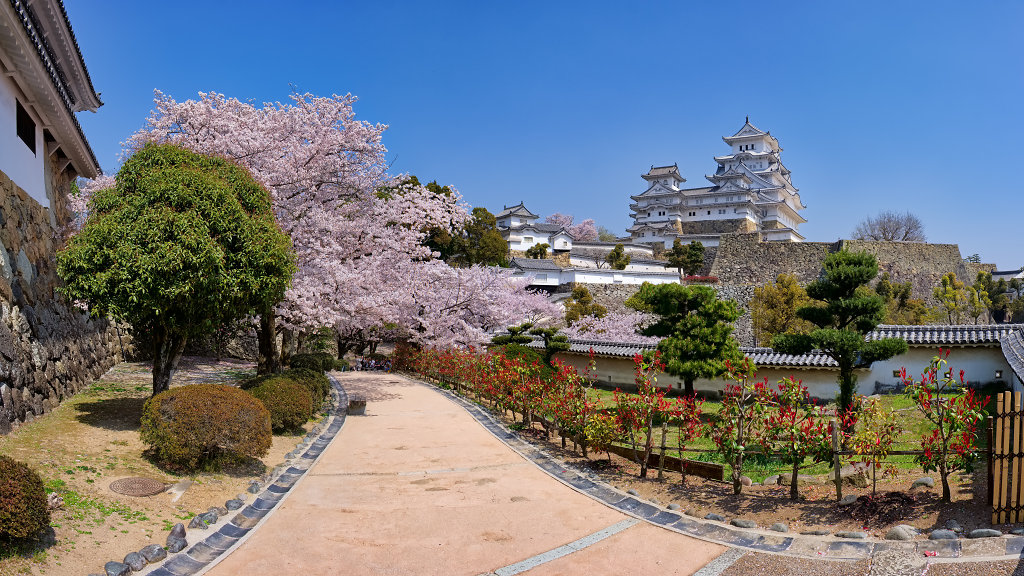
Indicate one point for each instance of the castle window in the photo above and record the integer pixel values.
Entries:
(709, 212)
(26, 127)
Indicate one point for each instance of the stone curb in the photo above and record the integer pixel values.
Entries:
(826, 547)
(229, 534)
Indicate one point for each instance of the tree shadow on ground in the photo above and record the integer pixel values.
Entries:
(27, 549)
(373, 386)
(234, 467)
(118, 414)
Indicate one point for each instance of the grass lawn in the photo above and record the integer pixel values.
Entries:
(759, 467)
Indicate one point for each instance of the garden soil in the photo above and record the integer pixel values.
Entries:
(92, 440)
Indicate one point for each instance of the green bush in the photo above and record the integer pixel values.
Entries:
(290, 404)
(316, 382)
(319, 361)
(203, 424)
(23, 509)
(340, 365)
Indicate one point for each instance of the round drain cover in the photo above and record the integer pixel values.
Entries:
(137, 486)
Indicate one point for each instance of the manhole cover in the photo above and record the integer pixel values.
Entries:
(137, 486)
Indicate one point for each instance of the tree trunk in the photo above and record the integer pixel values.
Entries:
(288, 345)
(688, 387)
(793, 495)
(269, 361)
(167, 349)
(944, 475)
(342, 347)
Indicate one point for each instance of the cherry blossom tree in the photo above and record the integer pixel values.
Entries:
(613, 327)
(585, 231)
(357, 232)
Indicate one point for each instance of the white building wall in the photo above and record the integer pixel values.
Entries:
(978, 363)
(609, 276)
(16, 159)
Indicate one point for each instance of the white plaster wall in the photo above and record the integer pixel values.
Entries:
(607, 276)
(516, 241)
(16, 160)
(978, 363)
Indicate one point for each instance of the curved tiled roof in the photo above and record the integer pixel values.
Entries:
(945, 334)
(1013, 350)
(769, 357)
(534, 264)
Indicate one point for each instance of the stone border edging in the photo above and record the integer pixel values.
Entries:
(754, 540)
(203, 555)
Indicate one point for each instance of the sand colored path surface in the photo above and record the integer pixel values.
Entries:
(416, 486)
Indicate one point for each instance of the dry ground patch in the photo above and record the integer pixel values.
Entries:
(92, 440)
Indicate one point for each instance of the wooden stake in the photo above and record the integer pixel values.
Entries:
(1015, 514)
(997, 477)
(837, 461)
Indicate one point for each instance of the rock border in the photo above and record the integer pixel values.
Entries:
(818, 544)
(269, 491)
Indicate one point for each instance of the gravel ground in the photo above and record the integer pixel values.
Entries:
(753, 564)
(756, 564)
(1011, 568)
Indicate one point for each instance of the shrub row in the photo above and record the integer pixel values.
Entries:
(318, 361)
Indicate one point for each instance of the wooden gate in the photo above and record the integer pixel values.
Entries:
(1006, 465)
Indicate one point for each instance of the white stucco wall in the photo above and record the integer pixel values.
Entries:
(16, 159)
(978, 363)
(608, 276)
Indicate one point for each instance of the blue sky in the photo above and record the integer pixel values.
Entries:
(894, 105)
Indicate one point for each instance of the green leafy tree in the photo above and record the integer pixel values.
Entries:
(581, 305)
(953, 296)
(773, 308)
(845, 313)
(688, 258)
(617, 258)
(538, 251)
(516, 335)
(605, 235)
(900, 306)
(998, 292)
(553, 342)
(695, 328)
(979, 301)
(183, 244)
(877, 428)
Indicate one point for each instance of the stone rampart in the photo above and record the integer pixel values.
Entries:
(49, 349)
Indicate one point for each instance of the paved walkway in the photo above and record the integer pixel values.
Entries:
(417, 486)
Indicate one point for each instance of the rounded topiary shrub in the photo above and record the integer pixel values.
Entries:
(319, 361)
(316, 382)
(289, 403)
(202, 424)
(23, 509)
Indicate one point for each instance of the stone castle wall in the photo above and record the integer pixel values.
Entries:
(49, 350)
(737, 225)
(742, 262)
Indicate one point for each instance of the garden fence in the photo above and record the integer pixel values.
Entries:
(1006, 460)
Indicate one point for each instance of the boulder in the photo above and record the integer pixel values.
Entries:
(117, 569)
(923, 482)
(209, 518)
(673, 506)
(177, 531)
(153, 553)
(135, 561)
(715, 517)
(742, 523)
(801, 479)
(848, 500)
(691, 512)
(854, 534)
(175, 545)
(816, 532)
(953, 525)
(942, 534)
(899, 533)
(771, 480)
(233, 504)
(779, 527)
(198, 523)
(985, 533)
(746, 481)
(1017, 531)
(632, 492)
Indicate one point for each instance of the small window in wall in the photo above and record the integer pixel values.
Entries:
(527, 238)
(542, 277)
(26, 128)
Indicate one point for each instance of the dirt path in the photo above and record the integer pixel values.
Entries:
(416, 486)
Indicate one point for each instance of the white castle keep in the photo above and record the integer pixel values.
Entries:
(752, 192)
